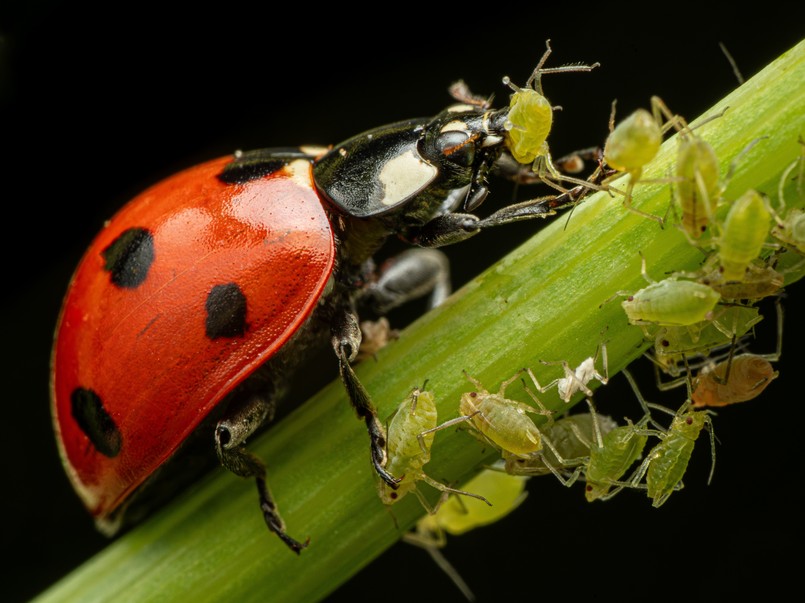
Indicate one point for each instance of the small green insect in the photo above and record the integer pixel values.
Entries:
(408, 451)
(760, 280)
(674, 347)
(698, 188)
(666, 463)
(572, 438)
(671, 302)
(457, 516)
(501, 422)
(612, 454)
(633, 144)
(530, 120)
(743, 235)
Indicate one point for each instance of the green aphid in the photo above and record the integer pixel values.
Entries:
(743, 235)
(408, 449)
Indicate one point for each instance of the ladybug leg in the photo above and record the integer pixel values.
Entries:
(346, 341)
(409, 275)
(241, 421)
(451, 228)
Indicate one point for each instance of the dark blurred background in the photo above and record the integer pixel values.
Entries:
(98, 102)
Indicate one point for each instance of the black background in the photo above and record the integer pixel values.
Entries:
(99, 102)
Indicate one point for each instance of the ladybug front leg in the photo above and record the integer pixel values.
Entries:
(241, 421)
(451, 228)
(346, 341)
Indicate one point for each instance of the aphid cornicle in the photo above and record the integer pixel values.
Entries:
(187, 312)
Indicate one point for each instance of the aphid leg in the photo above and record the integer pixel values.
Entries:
(457, 421)
(432, 543)
(231, 432)
(346, 341)
(448, 490)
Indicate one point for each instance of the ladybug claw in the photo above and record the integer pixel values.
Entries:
(393, 482)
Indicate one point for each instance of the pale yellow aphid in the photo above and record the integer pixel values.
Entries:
(458, 516)
(502, 422)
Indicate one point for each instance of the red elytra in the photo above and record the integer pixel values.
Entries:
(144, 350)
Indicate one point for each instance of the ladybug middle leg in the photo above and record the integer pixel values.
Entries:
(242, 419)
(346, 341)
(410, 275)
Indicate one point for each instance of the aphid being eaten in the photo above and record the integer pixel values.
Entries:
(530, 119)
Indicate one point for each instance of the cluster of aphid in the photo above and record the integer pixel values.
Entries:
(699, 325)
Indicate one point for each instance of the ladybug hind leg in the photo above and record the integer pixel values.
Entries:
(231, 432)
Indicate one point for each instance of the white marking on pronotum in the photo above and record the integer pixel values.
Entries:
(404, 176)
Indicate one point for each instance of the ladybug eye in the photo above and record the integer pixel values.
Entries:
(456, 147)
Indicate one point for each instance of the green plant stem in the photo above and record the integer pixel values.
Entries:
(546, 300)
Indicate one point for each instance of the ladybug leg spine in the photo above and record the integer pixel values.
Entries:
(408, 276)
(241, 421)
(346, 341)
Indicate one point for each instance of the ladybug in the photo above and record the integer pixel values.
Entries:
(186, 314)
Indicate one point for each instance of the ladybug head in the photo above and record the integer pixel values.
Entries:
(413, 170)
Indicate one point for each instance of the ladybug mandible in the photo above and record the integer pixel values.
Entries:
(186, 313)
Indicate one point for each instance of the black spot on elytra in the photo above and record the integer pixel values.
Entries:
(226, 311)
(129, 257)
(95, 422)
(251, 166)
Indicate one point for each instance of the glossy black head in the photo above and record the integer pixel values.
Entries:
(414, 170)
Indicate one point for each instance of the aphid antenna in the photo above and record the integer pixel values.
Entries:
(733, 65)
